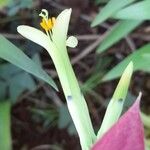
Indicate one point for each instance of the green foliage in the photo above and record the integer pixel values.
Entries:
(97, 74)
(133, 14)
(14, 6)
(4, 3)
(3, 87)
(115, 105)
(111, 8)
(137, 11)
(146, 120)
(5, 134)
(117, 32)
(101, 1)
(130, 99)
(54, 117)
(14, 55)
(141, 61)
(14, 81)
(65, 120)
(47, 116)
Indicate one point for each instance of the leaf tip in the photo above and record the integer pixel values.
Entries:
(130, 66)
(128, 72)
(94, 23)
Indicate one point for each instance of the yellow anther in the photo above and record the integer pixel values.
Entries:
(53, 20)
(47, 25)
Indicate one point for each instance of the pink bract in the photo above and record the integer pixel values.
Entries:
(126, 134)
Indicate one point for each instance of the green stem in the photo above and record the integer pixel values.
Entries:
(5, 131)
(76, 103)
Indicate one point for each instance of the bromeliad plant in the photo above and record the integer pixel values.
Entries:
(125, 133)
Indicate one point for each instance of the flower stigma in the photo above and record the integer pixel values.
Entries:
(47, 23)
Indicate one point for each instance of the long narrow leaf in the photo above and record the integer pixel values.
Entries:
(14, 55)
(141, 61)
(115, 106)
(118, 31)
(112, 7)
(137, 11)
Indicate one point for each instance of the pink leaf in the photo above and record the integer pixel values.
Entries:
(126, 134)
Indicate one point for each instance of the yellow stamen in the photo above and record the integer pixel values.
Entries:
(53, 20)
(47, 25)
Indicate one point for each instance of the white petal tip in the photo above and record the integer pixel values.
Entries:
(72, 42)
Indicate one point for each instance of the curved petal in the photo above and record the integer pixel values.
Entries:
(60, 28)
(126, 134)
(34, 35)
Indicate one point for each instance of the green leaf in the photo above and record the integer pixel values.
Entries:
(3, 87)
(19, 83)
(101, 1)
(118, 31)
(141, 61)
(130, 99)
(36, 58)
(146, 120)
(7, 71)
(14, 92)
(112, 7)
(15, 80)
(26, 3)
(64, 117)
(65, 120)
(100, 71)
(11, 53)
(5, 125)
(147, 147)
(15, 6)
(3, 3)
(115, 106)
(46, 116)
(137, 11)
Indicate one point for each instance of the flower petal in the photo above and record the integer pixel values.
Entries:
(126, 134)
(34, 35)
(60, 28)
(72, 41)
